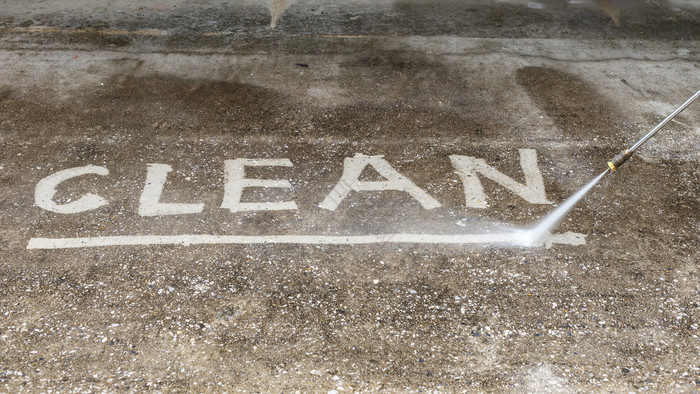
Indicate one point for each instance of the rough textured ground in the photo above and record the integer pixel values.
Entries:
(121, 86)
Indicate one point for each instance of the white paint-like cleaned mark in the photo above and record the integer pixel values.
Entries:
(276, 8)
(236, 182)
(508, 238)
(149, 203)
(46, 191)
(350, 181)
(468, 167)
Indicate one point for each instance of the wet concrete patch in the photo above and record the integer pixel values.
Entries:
(574, 106)
(362, 317)
(244, 27)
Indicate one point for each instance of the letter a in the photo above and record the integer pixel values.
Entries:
(353, 167)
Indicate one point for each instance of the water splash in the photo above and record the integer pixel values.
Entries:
(534, 235)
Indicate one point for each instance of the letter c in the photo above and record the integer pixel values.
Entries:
(46, 190)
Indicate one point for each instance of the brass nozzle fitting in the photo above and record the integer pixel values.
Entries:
(619, 159)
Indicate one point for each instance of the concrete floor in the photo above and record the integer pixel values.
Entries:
(318, 197)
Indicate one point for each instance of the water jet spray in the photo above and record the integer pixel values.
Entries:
(534, 235)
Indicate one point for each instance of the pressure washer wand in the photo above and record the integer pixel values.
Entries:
(622, 157)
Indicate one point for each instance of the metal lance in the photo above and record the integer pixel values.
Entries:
(622, 157)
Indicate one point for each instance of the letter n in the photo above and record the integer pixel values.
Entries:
(468, 167)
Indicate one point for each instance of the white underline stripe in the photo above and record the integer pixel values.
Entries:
(568, 238)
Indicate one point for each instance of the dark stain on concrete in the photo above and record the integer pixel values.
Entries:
(5, 93)
(396, 123)
(193, 105)
(394, 62)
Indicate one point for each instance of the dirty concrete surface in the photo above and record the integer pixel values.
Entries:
(124, 85)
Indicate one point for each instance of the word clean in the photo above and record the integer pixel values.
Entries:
(235, 182)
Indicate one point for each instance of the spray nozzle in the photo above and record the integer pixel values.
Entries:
(619, 159)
